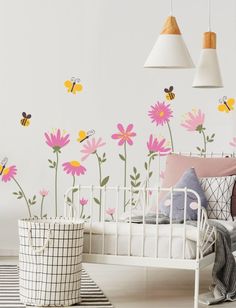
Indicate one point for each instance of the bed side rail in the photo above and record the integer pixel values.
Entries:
(99, 209)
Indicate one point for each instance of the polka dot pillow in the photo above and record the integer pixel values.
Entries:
(190, 180)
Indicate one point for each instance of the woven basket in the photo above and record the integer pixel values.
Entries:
(50, 261)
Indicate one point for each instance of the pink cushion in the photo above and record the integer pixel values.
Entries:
(205, 167)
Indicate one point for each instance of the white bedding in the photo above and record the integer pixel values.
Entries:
(163, 237)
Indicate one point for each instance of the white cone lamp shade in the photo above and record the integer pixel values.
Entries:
(208, 71)
(169, 50)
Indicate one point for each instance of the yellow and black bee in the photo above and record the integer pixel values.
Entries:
(25, 121)
(83, 135)
(169, 94)
(3, 164)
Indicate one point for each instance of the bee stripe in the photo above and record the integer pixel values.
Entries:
(72, 88)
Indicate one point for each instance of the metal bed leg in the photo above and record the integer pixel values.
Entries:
(196, 286)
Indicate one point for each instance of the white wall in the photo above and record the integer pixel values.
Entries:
(105, 43)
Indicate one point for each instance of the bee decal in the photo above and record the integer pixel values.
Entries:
(169, 93)
(83, 135)
(3, 164)
(26, 119)
(226, 105)
(73, 85)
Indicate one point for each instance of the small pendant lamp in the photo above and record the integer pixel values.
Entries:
(208, 71)
(169, 50)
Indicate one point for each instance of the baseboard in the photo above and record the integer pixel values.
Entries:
(9, 252)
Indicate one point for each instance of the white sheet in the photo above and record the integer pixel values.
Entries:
(150, 239)
(136, 240)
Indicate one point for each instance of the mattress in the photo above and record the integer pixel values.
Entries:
(150, 239)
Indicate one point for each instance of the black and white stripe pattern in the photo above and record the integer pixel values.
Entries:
(91, 295)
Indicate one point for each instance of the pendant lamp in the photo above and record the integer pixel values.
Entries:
(208, 71)
(169, 50)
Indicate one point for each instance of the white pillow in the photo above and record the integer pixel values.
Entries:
(218, 191)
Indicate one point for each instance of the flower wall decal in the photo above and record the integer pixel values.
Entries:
(56, 140)
(8, 174)
(73, 168)
(124, 136)
(160, 114)
(91, 148)
(43, 193)
(194, 122)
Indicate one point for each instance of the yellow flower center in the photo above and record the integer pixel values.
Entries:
(161, 113)
(6, 171)
(75, 163)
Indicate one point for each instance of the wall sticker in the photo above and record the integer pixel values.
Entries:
(90, 147)
(226, 105)
(83, 135)
(25, 121)
(170, 95)
(124, 136)
(73, 85)
(194, 122)
(161, 114)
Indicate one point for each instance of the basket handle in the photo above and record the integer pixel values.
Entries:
(41, 249)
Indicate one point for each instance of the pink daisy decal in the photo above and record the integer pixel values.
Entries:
(155, 146)
(83, 201)
(9, 173)
(233, 142)
(43, 192)
(74, 168)
(194, 121)
(111, 212)
(90, 147)
(57, 140)
(125, 135)
(160, 113)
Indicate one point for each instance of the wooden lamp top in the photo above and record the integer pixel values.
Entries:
(170, 26)
(209, 40)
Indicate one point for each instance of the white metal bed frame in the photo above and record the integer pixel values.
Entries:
(206, 234)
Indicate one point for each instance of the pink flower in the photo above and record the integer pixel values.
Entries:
(233, 142)
(124, 135)
(160, 113)
(111, 211)
(194, 121)
(83, 201)
(90, 147)
(154, 145)
(74, 167)
(9, 173)
(57, 140)
(43, 192)
(162, 175)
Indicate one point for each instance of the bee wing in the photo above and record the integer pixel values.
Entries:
(91, 132)
(77, 87)
(28, 116)
(222, 108)
(230, 103)
(68, 84)
(171, 88)
(82, 135)
(166, 90)
(24, 114)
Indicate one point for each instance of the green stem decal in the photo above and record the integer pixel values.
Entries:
(100, 184)
(56, 180)
(72, 195)
(41, 207)
(171, 137)
(204, 141)
(125, 171)
(82, 211)
(24, 196)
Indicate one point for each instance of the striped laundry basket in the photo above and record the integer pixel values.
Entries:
(50, 261)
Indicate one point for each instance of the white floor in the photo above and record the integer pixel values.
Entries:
(145, 287)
